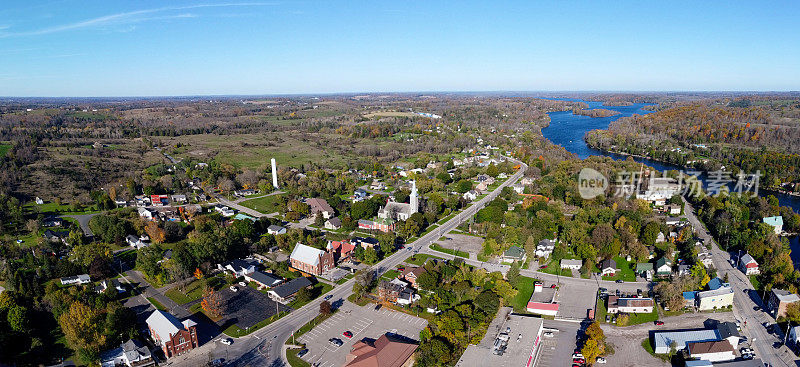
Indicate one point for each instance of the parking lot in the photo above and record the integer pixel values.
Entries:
(247, 307)
(363, 322)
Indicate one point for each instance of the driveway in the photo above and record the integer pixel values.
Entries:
(83, 220)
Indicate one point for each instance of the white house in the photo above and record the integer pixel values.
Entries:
(573, 264)
(137, 242)
(712, 351)
(109, 283)
(748, 265)
(274, 230)
(794, 335)
(145, 213)
(76, 279)
(470, 195)
(238, 267)
(545, 248)
(333, 223)
(630, 305)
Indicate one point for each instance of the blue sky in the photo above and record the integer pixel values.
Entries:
(152, 48)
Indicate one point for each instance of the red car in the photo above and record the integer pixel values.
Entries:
(553, 286)
(658, 322)
(347, 334)
(543, 267)
(579, 361)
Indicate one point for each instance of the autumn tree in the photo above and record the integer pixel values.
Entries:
(198, 274)
(82, 327)
(325, 308)
(156, 233)
(211, 303)
(595, 344)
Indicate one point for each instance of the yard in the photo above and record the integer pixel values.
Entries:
(316, 291)
(524, 287)
(458, 253)
(554, 268)
(420, 259)
(625, 271)
(192, 291)
(266, 204)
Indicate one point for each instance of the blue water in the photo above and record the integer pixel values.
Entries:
(568, 130)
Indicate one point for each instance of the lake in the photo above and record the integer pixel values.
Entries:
(568, 130)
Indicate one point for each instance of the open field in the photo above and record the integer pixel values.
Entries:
(390, 114)
(266, 204)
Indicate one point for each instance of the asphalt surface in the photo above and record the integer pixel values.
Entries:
(265, 347)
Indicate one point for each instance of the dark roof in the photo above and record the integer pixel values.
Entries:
(709, 347)
(608, 264)
(335, 221)
(265, 278)
(727, 329)
(291, 287)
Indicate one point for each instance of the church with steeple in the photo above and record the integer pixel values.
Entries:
(401, 211)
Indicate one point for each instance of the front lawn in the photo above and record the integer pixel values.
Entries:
(625, 271)
(294, 360)
(389, 275)
(316, 291)
(266, 204)
(420, 259)
(554, 268)
(157, 304)
(235, 331)
(192, 291)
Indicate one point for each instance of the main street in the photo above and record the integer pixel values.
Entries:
(744, 301)
(265, 346)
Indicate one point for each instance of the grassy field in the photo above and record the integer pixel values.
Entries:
(318, 290)
(4, 148)
(601, 310)
(458, 253)
(625, 272)
(157, 304)
(237, 332)
(191, 292)
(294, 360)
(524, 287)
(255, 150)
(390, 274)
(554, 267)
(420, 259)
(266, 205)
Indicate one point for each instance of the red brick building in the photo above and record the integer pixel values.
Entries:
(173, 336)
(311, 260)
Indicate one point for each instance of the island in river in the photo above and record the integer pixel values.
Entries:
(595, 112)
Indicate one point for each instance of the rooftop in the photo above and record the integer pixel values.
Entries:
(522, 337)
(306, 254)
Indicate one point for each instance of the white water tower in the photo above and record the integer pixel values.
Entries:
(274, 174)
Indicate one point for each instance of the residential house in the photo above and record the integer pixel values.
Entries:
(684, 269)
(712, 351)
(748, 265)
(715, 299)
(52, 221)
(389, 291)
(109, 283)
(333, 223)
(321, 206)
(56, 236)
(410, 274)
(706, 259)
(470, 195)
(121, 203)
(386, 351)
(608, 267)
(407, 297)
(545, 248)
(366, 242)
(342, 250)
(145, 213)
(645, 270)
(225, 211)
(776, 222)
(311, 260)
(360, 194)
(276, 230)
(629, 305)
(572, 264)
(173, 336)
(377, 224)
(673, 209)
(159, 200)
(263, 280)
(778, 300)
(244, 192)
(285, 293)
(39, 201)
(239, 267)
(690, 298)
(514, 253)
(131, 353)
(518, 188)
(663, 267)
(137, 242)
(660, 238)
(794, 335)
(179, 198)
(76, 279)
(672, 221)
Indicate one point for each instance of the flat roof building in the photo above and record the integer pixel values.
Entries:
(508, 342)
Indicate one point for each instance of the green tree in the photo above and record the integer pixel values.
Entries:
(18, 318)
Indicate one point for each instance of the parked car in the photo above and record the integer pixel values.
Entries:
(328, 297)
(336, 342)
(347, 334)
(218, 362)
(243, 284)
(226, 341)
(302, 352)
(600, 360)
(658, 322)
(377, 307)
(553, 286)
(543, 267)
(620, 281)
(548, 334)
(233, 288)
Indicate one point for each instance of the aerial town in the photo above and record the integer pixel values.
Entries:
(206, 226)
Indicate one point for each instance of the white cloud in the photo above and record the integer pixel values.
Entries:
(136, 16)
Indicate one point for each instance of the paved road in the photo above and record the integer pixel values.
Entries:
(83, 221)
(265, 347)
(745, 298)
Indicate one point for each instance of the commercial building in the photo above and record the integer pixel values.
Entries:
(713, 351)
(778, 300)
(386, 351)
(630, 305)
(511, 340)
(715, 299)
(285, 293)
(542, 300)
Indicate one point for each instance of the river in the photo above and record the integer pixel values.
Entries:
(568, 130)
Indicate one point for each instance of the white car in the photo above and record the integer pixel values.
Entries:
(226, 341)
(548, 334)
(233, 288)
(243, 284)
(600, 360)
